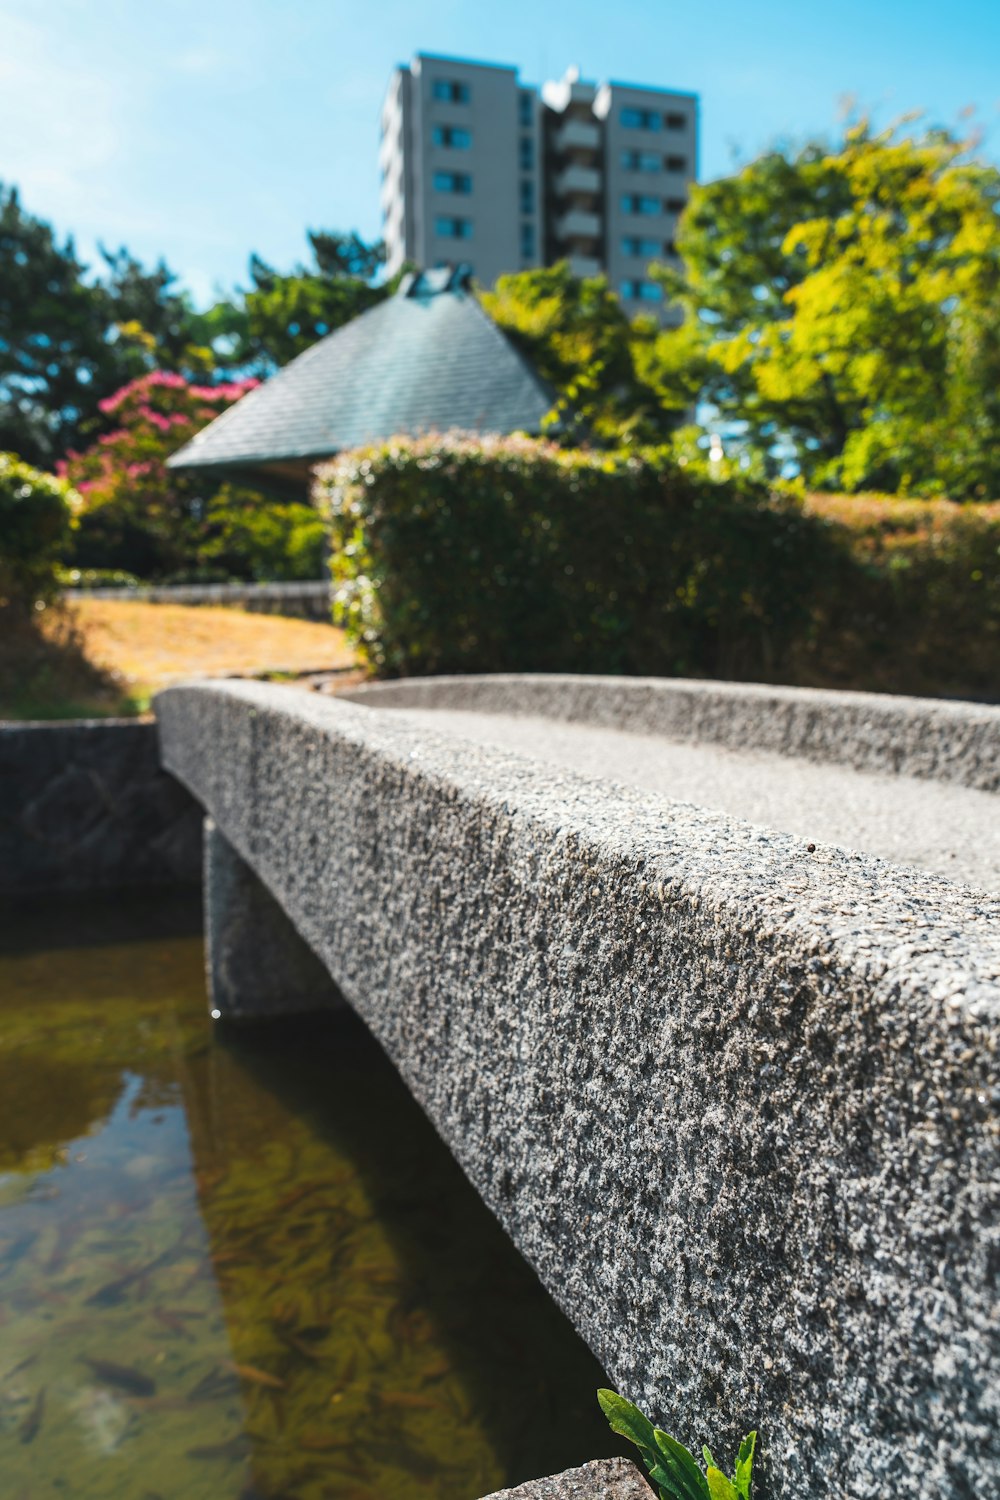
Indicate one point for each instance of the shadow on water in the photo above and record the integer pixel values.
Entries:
(242, 1266)
(448, 1278)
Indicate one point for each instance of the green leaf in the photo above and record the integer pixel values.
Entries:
(707, 1455)
(719, 1487)
(666, 1483)
(627, 1420)
(689, 1476)
(744, 1466)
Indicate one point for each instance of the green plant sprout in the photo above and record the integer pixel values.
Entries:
(671, 1467)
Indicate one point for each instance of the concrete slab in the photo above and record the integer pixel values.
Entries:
(940, 826)
(736, 1102)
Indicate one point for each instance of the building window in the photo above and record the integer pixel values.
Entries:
(675, 122)
(674, 205)
(527, 196)
(525, 110)
(453, 229)
(640, 161)
(641, 291)
(527, 241)
(526, 153)
(637, 203)
(677, 164)
(644, 249)
(449, 91)
(640, 119)
(453, 137)
(669, 248)
(452, 182)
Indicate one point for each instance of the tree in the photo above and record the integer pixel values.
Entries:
(579, 339)
(68, 340)
(152, 318)
(843, 305)
(286, 313)
(54, 355)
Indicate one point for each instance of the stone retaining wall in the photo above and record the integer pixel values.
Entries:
(735, 1099)
(307, 600)
(86, 804)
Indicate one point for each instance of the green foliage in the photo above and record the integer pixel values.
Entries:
(845, 305)
(53, 351)
(672, 1468)
(71, 337)
(577, 336)
(285, 314)
(914, 605)
(452, 554)
(68, 340)
(248, 535)
(37, 512)
(151, 521)
(97, 578)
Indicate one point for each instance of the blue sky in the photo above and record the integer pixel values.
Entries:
(202, 129)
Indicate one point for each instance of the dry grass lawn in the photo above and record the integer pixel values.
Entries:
(152, 645)
(99, 656)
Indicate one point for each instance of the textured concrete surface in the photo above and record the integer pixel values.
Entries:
(922, 737)
(256, 964)
(953, 830)
(737, 1104)
(608, 1479)
(86, 804)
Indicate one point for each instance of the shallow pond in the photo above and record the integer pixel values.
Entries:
(241, 1264)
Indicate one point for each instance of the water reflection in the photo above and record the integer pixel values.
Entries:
(244, 1265)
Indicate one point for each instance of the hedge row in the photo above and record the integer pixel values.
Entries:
(915, 606)
(455, 554)
(458, 554)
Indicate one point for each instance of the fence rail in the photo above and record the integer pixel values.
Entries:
(310, 599)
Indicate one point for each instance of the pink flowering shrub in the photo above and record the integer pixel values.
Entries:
(144, 518)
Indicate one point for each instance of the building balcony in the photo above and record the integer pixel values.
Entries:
(585, 265)
(577, 135)
(578, 224)
(577, 179)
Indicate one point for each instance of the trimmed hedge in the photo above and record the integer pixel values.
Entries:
(915, 607)
(455, 554)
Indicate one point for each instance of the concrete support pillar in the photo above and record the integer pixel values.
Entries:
(256, 963)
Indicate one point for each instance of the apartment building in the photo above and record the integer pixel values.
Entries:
(481, 168)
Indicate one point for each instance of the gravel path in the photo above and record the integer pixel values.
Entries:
(949, 829)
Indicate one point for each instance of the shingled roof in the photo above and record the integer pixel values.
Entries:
(427, 359)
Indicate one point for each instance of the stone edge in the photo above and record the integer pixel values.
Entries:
(922, 737)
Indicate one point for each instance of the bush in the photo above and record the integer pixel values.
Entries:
(919, 608)
(97, 578)
(459, 554)
(36, 517)
(250, 537)
(467, 554)
(145, 519)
